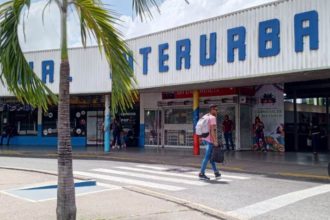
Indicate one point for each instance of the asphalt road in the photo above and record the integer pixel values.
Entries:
(244, 196)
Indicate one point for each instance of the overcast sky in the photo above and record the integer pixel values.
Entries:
(173, 13)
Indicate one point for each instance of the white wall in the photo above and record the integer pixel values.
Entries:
(90, 71)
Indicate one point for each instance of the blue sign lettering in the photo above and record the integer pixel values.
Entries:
(129, 59)
(236, 40)
(162, 57)
(205, 58)
(183, 53)
(145, 51)
(269, 37)
(301, 30)
(305, 25)
(47, 69)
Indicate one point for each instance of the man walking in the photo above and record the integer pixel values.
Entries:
(227, 128)
(210, 141)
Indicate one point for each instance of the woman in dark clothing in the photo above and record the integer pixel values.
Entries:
(8, 132)
(259, 134)
(116, 130)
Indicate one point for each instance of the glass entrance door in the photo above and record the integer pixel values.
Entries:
(307, 124)
(95, 131)
(153, 125)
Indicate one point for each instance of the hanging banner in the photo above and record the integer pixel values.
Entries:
(268, 118)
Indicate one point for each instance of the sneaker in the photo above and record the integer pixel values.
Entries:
(202, 176)
(217, 175)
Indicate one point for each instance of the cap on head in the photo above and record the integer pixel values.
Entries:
(213, 106)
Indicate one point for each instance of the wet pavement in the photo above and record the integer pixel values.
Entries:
(288, 164)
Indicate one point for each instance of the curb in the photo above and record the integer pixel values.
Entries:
(194, 206)
(191, 205)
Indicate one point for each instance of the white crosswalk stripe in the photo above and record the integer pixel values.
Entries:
(152, 167)
(129, 181)
(193, 172)
(181, 175)
(224, 175)
(151, 177)
(158, 177)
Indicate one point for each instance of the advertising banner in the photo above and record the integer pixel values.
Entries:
(268, 118)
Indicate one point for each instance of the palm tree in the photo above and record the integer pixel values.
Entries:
(95, 20)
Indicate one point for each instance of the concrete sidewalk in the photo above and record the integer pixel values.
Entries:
(119, 203)
(286, 165)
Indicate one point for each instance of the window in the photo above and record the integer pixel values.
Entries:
(49, 122)
(178, 116)
(77, 122)
(22, 117)
(26, 122)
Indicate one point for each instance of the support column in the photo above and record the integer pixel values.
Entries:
(295, 114)
(195, 120)
(107, 121)
(39, 122)
(142, 125)
(328, 121)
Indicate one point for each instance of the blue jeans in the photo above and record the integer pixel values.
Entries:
(229, 138)
(207, 157)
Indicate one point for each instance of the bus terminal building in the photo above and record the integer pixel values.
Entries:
(271, 61)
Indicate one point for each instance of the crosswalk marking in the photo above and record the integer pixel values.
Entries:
(129, 181)
(224, 175)
(260, 208)
(169, 178)
(152, 167)
(193, 172)
(158, 172)
(161, 178)
(165, 173)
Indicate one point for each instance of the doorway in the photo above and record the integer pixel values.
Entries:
(95, 133)
(307, 115)
(153, 127)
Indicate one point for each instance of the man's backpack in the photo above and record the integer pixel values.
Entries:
(202, 127)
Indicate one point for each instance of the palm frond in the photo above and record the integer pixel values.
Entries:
(97, 20)
(16, 73)
(142, 7)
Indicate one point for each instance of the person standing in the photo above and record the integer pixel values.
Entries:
(116, 130)
(259, 134)
(8, 132)
(315, 131)
(210, 141)
(227, 128)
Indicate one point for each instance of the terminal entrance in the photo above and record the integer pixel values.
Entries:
(171, 123)
(307, 116)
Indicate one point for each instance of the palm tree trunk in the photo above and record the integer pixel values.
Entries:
(66, 204)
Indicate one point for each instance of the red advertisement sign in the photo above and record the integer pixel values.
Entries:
(249, 91)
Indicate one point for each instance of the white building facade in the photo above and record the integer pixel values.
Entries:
(231, 60)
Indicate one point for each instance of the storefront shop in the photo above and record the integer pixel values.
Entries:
(168, 120)
(255, 63)
(36, 127)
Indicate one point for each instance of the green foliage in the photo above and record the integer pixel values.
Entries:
(15, 71)
(97, 21)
